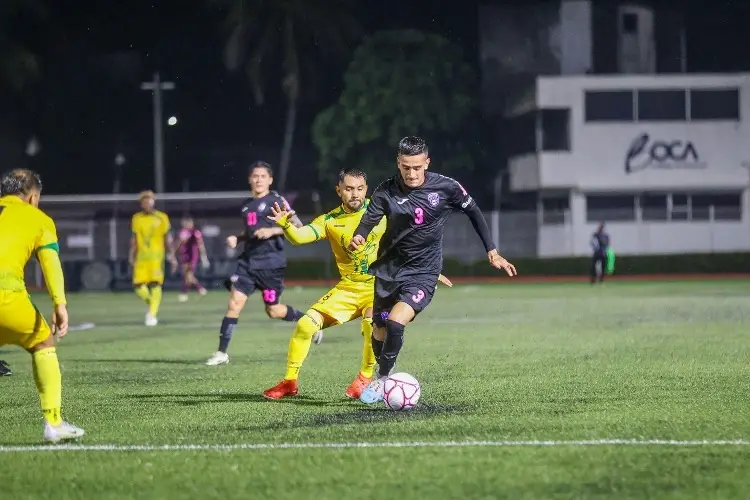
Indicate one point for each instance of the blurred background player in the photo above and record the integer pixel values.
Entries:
(5, 370)
(262, 264)
(352, 296)
(417, 204)
(599, 248)
(190, 248)
(26, 231)
(148, 248)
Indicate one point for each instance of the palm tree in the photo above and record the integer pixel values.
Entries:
(260, 29)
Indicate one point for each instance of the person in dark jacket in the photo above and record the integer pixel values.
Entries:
(599, 244)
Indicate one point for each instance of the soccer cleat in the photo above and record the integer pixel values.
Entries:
(183, 297)
(151, 320)
(65, 430)
(318, 337)
(373, 393)
(5, 369)
(218, 358)
(358, 385)
(282, 389)
(202, 292)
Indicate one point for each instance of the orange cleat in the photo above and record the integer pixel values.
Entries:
(358, 385)
(282, 389)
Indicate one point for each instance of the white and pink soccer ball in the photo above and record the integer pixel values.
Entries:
(401, 392)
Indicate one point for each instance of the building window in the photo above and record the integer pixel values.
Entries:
(662, 105)
(608, 106)
(554, 210)
(679, 207)
(555, 129)
(653, 207)
(721, 104)
(519, 134)
(720, 206)
(602, 208)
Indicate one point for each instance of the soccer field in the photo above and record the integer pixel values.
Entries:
(527, 390)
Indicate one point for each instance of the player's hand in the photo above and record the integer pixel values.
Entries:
(232, 241)
(131, 260)
(357, 241)
(280, 214)
(205, 263)
(60, 321)
(173, 263)
(445, 281)
(264, 233)
(497, 261)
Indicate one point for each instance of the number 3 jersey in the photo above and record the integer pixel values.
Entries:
(412, 244)
(258, 253)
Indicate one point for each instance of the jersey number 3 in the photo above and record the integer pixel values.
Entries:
(418, 216)
(252, 218)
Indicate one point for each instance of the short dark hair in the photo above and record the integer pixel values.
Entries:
(412, 146)
(260, 164)
(20, 181)
(353, 172)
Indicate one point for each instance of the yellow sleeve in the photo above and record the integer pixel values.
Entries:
(310, 233)
(167, 224)
(48, 255)
(134, 225)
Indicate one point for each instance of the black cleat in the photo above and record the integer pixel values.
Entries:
(4, 369)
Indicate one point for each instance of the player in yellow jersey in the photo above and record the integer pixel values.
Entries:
(26, 231)
(148, 249)
(352, 296)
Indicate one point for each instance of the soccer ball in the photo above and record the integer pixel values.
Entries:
(401, 392)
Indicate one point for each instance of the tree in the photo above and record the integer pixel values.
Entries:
(264, 31)
(400, 83)
(18, 64)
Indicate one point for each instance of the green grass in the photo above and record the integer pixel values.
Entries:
(514, 362)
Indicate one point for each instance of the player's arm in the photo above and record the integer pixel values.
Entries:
(463, 201)
(202, 249)
(133, 243)
(48, 255)
(376, 210)
(169, 242)
(297, 235)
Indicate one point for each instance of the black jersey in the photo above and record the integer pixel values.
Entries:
(413, 240)
(268, 253)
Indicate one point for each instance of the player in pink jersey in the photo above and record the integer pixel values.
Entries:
(190, 248)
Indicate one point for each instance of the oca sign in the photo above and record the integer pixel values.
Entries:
(644, 153)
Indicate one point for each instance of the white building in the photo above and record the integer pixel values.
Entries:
(663, 159)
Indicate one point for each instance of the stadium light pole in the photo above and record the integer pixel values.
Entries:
(156, 86)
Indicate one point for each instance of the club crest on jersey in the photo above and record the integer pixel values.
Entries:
(261, 207)
(434, 199)
(234, 278)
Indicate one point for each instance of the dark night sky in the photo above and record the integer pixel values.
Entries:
(88, 104)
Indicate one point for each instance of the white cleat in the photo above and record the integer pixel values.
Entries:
(202, 292)
(318, 337)
(183, 297)
(218, 358)
(65, 430)
(151, 320)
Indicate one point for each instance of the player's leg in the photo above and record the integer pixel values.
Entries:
(412, 298)
(194, 280)
(23, 325)
(339, 305)
(299, 347)
(187, 281)
(140, 282)
(271, 282)
(155, 283)
(384, 301)
(242, 286)
(367, 366)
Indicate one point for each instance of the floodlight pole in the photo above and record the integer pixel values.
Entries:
(156, 86)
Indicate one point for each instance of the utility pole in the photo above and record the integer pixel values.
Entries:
(156, 86)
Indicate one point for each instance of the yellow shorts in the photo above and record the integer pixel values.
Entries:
(346, 301)
(148, 271)
(21, 323)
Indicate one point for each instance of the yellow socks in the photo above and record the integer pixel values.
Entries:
(299, 346)
(144, 293)
(49, 383)
(153, 305)
(368, 357)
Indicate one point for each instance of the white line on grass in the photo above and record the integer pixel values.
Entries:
(416, 444)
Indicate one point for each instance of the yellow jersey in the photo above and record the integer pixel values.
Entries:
(149, 231)
(24, 232)
(337, 226)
